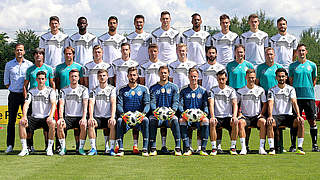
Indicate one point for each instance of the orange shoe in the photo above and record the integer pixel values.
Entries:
(135, 150)
(116, 150)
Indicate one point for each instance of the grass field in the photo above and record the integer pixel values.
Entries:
(251, 166)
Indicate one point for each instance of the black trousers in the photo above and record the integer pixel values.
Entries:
(14, 101)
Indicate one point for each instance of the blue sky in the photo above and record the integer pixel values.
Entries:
(34, 14)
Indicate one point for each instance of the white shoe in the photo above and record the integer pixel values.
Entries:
(49, 152)
(243, 152)
(24, 152)
(9, 149)
(262, 151)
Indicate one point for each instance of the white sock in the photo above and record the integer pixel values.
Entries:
(233, 144)
(93, 143)
(82, 142)
(271, 142)
(164, 141)
(112, 142)
(218, 144)
(214, 144)
(262, 142)
(106, 141)
(300, 142)
(50, 143)
(243, 143)
(24, 144)
(63, 143)
(135, 142)
(199, 144)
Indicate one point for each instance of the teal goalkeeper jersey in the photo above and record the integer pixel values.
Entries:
(32, 71)
(267, 75)
(303, 75)
(237, 73)
(62, 72)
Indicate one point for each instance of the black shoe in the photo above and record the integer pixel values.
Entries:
(164, 150)
(292, 149)
(315, 148)
(220, 151)
(31, 149)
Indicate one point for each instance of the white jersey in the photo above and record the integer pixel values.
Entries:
(283, 47)
(111, 46)
(196, 43)
(222, 101)
(207, 73)
(139, 44)
(282, 104)
(254, 46)
(73, 100)
(121, 67)
(179, 72)
(102, 97)
(225, 44)
(41, 101)
(251, 100)
(166, 41)
(149, 71)
(91, 70)
(83, 46)
(54, 46)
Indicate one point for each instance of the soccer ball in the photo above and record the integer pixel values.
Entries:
(164, 113)
(194, 115)
(130, 118)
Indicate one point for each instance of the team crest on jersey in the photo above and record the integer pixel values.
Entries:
(199, 96)
(245, 68)
(309, 68)
(139, 93)
(169, 91)
(163, 90)
(133, 93)
(91, 95)
(193, 95)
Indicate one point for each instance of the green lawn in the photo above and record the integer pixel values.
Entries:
(251, 166)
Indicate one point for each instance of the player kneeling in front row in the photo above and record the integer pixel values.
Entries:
(73, 104)
(251, 98)
(194, 105)
(164, 104)
(43, 101)
(102, 111)
(133, 104)
(281, 98)
(223, 111)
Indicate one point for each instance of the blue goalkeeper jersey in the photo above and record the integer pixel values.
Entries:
(197, 99)
(167, 96)
(136, 99)
(303, 75)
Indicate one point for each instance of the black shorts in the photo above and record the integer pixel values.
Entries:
(284, 120)
(72, 122)
(224, 123)
(309, 107)
(37, 123)
(102, 122)
(251, 121)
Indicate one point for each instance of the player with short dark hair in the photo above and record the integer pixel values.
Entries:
(133, 103)
(303, 77)
(43, 101)
(253, 105)
(281, 99)
(223, 112)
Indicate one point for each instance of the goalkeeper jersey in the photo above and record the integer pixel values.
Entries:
(133, 99)
(164, 96)
(193, 99)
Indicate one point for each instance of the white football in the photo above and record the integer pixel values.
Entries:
(164, 113)
(194, 115)
(132, 118)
